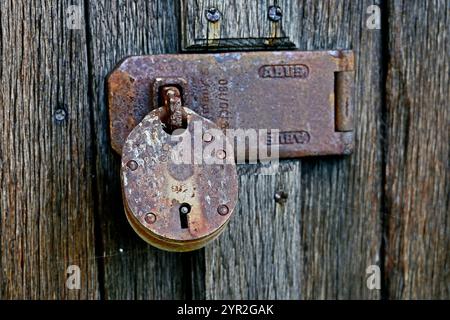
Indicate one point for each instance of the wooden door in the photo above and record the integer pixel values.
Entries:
(387, 205)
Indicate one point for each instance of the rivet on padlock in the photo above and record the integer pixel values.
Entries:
(179, 178)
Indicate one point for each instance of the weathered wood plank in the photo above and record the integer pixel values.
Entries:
(242, 24)
(46, 204)
(417, 170)
(132, 269)
(319, 243)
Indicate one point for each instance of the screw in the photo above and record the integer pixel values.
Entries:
(275, 13)
(165, 147)
(207, 137)
(132, 165)
(221, 154)
(150, 218)
(60, 114)
(223, 210)
(213, 15)
(280, 197)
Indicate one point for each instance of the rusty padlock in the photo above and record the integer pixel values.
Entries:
(179, 178)
(300, 104)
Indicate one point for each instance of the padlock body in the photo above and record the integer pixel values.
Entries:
(179, 189)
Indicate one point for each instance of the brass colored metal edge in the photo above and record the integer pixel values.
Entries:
(171, 245)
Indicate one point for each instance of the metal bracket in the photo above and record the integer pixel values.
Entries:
(307, 96)
(211, 25)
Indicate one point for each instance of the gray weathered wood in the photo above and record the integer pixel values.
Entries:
(319, 243)
(132, 269)
(60, 199)
(243, 24)
(417, 173)
(46, 202)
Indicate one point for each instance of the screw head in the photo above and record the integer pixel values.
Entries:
(280, 197)
(213, 15)
(275, 13)
(208, 137)
(150, 218)
(223, 210)
(221, 154)
(132, 165)
(60, 114)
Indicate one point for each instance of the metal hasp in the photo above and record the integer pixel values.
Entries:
(307, 96)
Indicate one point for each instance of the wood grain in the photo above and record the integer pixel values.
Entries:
(318, 244)
(60, 200)
(46, 204)
(131, 268)
(417, 173)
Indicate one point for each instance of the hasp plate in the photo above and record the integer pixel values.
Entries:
(307, 96)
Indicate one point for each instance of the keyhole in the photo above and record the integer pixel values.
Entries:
(185, 208)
